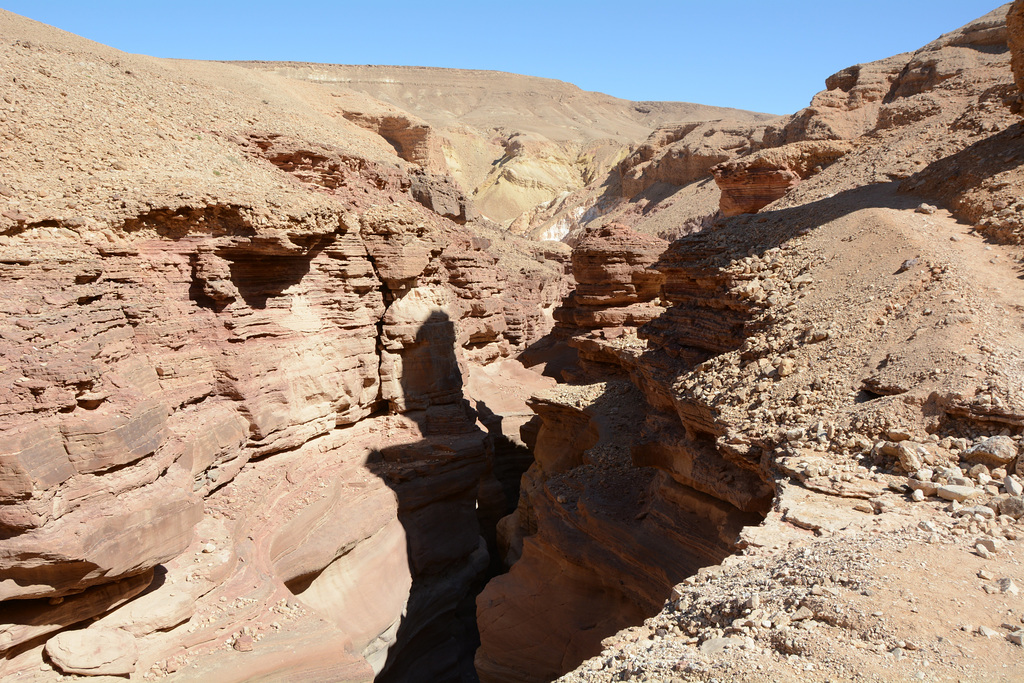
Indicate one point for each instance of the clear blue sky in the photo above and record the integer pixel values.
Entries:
(764, 56)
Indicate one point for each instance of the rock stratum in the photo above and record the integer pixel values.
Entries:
(236, 337)
(289, 392)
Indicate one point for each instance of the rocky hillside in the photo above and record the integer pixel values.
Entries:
(842, 356)
(511, 142)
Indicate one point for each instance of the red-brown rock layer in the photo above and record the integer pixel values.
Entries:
(753, 182)
(232, 381)
(594, 503)
(595, 542)
(615, 285)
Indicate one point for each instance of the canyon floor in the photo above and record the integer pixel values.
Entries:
(349, 373)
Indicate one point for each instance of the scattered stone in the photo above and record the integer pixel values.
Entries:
(911, 455)
(926, 209)
(900, 434)
(1012, 506)
(917, 496)
(982, 511)
(987, 632)
(1008, 586)
(787, 367)
(713, 646)
(928, 488)
(957, 493)
(1012, 486)
(243, 643)
(993, 545)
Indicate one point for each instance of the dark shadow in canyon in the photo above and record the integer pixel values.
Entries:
(638, 549)
(260, 276)
(437, 481)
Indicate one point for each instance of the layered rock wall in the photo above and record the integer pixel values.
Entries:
(151, 374)
(234, 346)
(619, 469)
(615, 285)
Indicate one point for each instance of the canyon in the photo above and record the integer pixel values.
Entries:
(350, 373)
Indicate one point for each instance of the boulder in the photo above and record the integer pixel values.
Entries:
(94, 652)
(997, 451)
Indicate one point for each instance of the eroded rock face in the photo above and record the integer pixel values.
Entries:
(234, 416)
(115, 437)
(680, 155)
(847, 108)
(1015, 40)
(621, 467)
(615, 284)
(411, 137)
(595, 542)
(753, 182)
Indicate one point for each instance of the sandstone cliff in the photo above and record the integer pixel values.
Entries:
(235, 339)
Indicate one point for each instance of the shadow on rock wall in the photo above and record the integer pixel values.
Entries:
(436, 470)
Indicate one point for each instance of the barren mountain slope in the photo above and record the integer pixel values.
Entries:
(901, 113)
(512, 141)
(861, 351)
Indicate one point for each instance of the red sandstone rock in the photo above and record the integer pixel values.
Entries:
(751, 183)
(94, 652)
(194, 371)
(615, 282)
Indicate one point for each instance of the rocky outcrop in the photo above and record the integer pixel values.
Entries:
(234, 434)
(410, 137)
(810, 356)
(129, 416)
(970, 166)
(683, 154)
(596, 542)
(618, 469)
(846, 109)
(1015, 40)
(615, 285)
(751, 183)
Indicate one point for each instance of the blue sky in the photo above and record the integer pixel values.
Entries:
(764, 56)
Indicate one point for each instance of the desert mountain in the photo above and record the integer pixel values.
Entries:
(512, 142)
